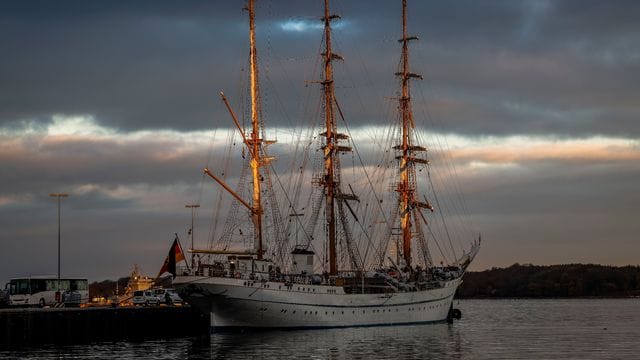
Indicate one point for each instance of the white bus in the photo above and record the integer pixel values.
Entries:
(44, 290)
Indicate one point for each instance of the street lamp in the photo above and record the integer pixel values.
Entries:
(193, 208)
(58, 196)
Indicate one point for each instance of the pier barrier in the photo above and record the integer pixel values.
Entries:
(83, 325)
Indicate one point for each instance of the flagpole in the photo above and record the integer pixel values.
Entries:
(182, 251)
(192, 207)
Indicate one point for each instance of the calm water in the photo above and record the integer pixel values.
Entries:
(489, 329)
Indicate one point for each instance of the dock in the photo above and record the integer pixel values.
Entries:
(32, 326)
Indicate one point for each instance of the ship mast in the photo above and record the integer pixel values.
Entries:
(254, 145)
(406, 187)
(255, 141)
(329, 181)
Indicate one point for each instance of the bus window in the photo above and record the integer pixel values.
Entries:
(64, 285)
(78, 284)
(20, 286)
(52, 285)
(38, 285)
(83, 284)
(23, 287)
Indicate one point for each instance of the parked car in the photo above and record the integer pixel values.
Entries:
(4, 298)
(168, 296)
(72, 298)
(145, 298)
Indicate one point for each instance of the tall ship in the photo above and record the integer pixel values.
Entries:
(332, 263)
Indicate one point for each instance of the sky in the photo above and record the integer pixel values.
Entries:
(116, 103)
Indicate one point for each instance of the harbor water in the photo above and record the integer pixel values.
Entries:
(489, 329)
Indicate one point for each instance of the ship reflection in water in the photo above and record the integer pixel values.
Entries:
(489, 329)
(397, 342)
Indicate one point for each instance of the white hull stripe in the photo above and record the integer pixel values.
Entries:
(316, 327)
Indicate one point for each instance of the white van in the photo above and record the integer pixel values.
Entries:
(145, 298)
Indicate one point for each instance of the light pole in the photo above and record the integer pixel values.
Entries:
(193, 207)
(58, 196)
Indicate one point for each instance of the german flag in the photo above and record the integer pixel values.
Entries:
(175, 256)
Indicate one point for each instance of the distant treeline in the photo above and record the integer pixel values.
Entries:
(556, 281)
(516, 281)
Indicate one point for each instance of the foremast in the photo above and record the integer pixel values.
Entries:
(407, 187)
(254, 144)
(255, 141)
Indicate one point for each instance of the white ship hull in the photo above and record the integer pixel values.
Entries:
(239, 303)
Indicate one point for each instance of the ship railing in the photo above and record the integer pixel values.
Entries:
(217, 270)
(183, 270)
(202, 270)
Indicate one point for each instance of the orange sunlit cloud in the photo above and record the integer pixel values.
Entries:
(522, 149)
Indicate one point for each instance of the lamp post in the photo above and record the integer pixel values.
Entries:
(193, 207)
(58, 196)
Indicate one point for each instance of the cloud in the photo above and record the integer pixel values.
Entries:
(533, 105)
(160, 67)
(77, 151)
(300, 25)
(518, 150)
(510, 205)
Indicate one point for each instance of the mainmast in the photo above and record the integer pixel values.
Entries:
(255, 141)
(329, 182)
(406, 187)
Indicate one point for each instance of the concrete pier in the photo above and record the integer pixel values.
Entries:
(69, 326)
